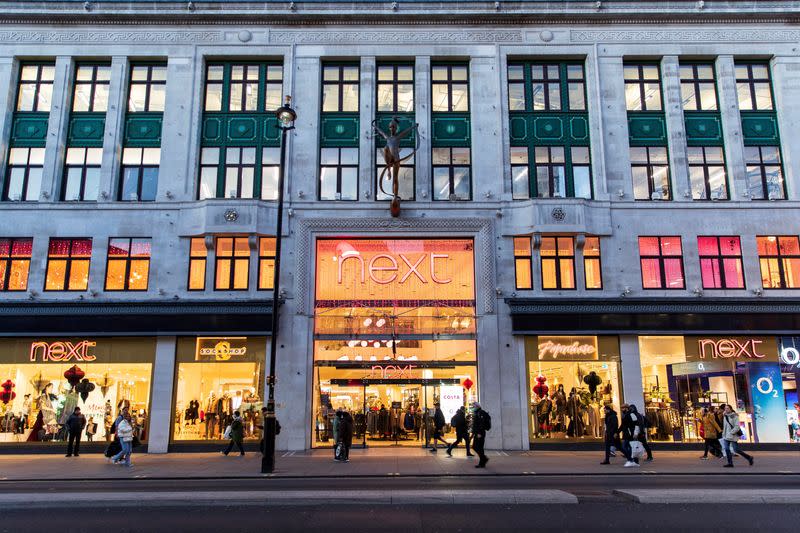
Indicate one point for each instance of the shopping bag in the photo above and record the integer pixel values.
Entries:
(637, 450)
(227, 433)
(113, 448)
(339, 451)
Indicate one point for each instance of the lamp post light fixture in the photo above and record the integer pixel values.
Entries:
(286, 117)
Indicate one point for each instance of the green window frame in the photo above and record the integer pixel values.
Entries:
(90, 88)
(699, 87)
(754, 86)
(341, 90)
(147, 88)
(643, 91)
(35, 87)
(452, 83)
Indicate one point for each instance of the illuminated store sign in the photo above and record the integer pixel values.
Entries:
(568, 348)
(727, 348)
(62, 351)
(391, 371)
(220, 349)
(395, 269)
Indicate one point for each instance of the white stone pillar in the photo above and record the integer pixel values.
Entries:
(9, 74)
(302, 166)
(732, 128)
(114, 125)
(614, 128)
(366, 144)
(632, 391)
(162, 395)
(180, 130)
(56, 144)
(486, 120)
(422, 113)
(676, 129)
(786, 88)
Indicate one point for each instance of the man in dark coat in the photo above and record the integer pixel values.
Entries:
(459, 423)
(75, 424)
(345, 433)
(236, 434)
(438, 427)
(611, 423)
(481, 423)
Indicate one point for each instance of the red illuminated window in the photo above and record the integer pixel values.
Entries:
(68, 265)
(15, 262)
(779, 258)
(721, 262)
(128, 266)
(662, 262)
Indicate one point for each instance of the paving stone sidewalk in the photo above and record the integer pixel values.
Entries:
(379, 462)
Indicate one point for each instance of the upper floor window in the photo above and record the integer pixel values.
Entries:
(266, 263)
(396, 88)
(592, 268)
(523, 263)
(128, 267)
(650, 170)
(147, 90)
(552, 87)
(249, 87)
(232, 269)
(707, 172)
(15, 263)
(248, 172)
(721, 262)
(764, 172)
(82, 176)
(753, 86)
(24, 174)
(91, 88)
(698, 88)
(68, 265)
(452, 174)
(642, 87)
(450, 88)
(240, 169)
(340, 88)
(558, 262)
(405, 183)
(35, 88)
(338, 174)
(662, 262)
(198, 259)
(139, 181)
(779, 259)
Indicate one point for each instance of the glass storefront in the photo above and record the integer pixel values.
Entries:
(570, 380)
(44, 379)
(214, 377)
(790, 378)
(395, 333)
(682, 375)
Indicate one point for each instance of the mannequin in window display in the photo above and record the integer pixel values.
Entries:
(211, 415)
(543, 410)
(224, 412)
(26, 411)
(560, 400)
(108, 420)
(191, 414)
(575, 428)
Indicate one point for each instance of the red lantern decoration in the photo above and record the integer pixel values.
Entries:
(74, 375)
(541, 387)
(468, 384)
(7, 395)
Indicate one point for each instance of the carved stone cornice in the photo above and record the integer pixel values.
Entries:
(481, 229)
(688, 35)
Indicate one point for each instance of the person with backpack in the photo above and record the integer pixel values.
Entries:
(481, 423)
(631, 429)
(236, 433)
(459, 423)
(438, 427)
(125, 435)
(643, 435)
(732, 433)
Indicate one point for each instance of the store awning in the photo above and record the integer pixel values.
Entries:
(754, 315)
(140, 318)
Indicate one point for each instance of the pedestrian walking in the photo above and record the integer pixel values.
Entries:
(459, 423)
(235, 432)
(438, 427)
(631, 428)
(711, 433)
(345, 436)
(611, 424)
(732, 433)
(125, 436)
(719, 416)
(261, 446)
(75, 424)
(481, 423)
(645, 424)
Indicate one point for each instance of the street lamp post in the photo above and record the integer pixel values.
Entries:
(286, 117)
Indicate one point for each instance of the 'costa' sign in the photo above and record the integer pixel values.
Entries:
(62, 351)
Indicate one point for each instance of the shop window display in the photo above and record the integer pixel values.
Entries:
(216, 376)
(43, 380)
(683, 375)
(395, 333)
(570, 380)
